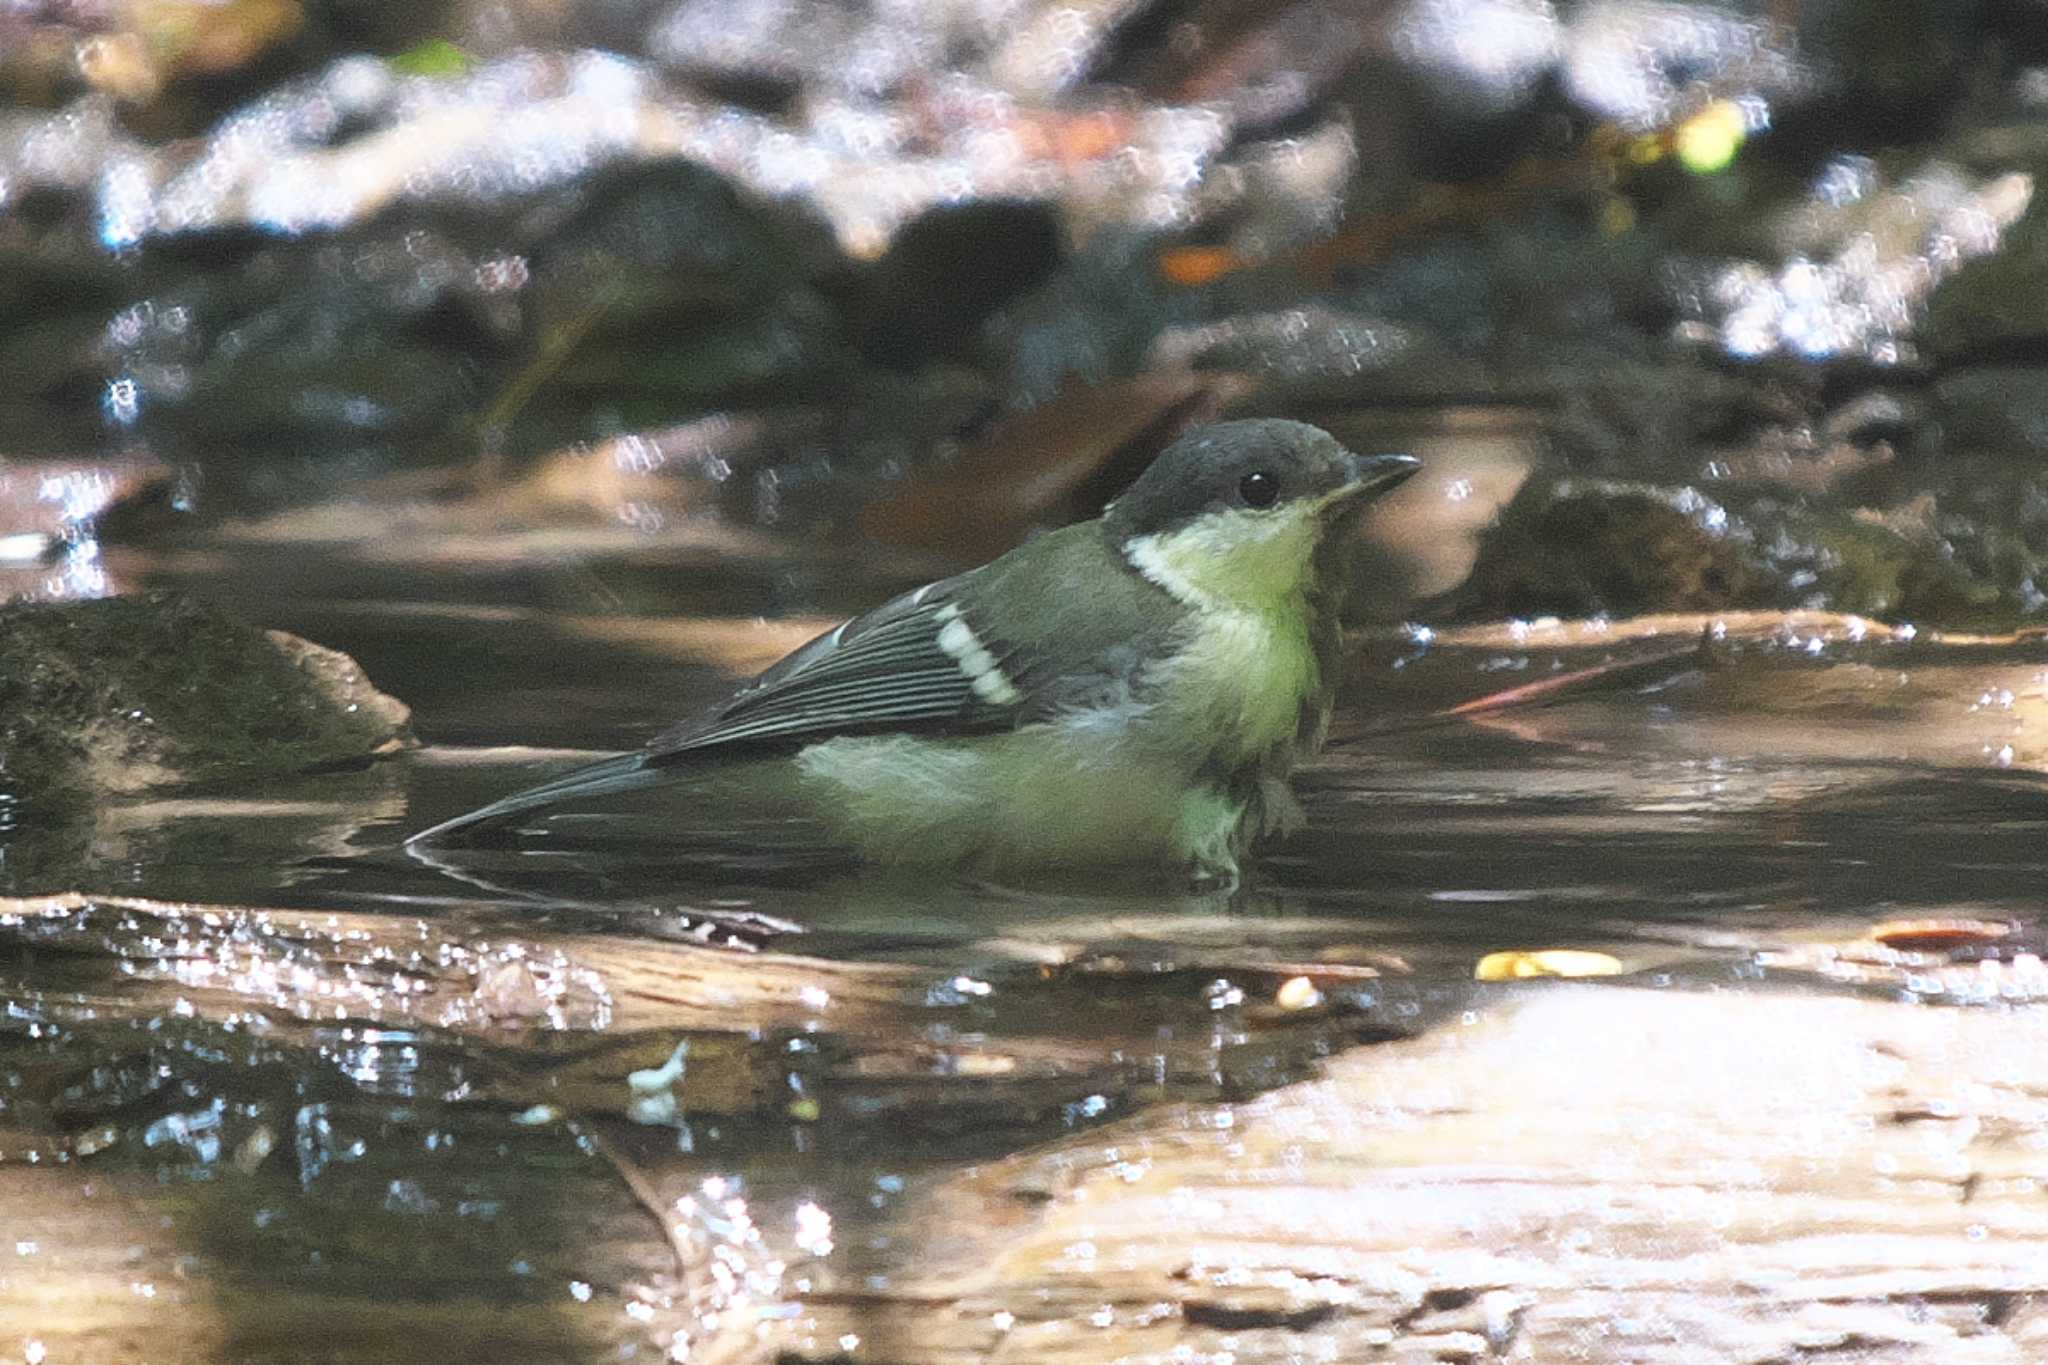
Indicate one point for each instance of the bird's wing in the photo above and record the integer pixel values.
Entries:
(895, 668)
(1000, 646)
(914, 663)
(951, 658)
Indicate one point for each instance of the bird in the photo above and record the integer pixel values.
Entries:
(1134, 689)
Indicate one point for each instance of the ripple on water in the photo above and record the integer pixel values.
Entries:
(684, 1095)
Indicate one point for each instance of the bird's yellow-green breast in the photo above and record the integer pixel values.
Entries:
(1249, 659)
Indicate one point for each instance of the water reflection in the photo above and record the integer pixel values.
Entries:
(686, 1093)
(49, 522)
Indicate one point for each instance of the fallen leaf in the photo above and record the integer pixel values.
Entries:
(1059, 462)
(1938, 935)
(1297, 993)
(1190, 266)
(1517, 965)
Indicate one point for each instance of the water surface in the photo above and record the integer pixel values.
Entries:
(270, 1089)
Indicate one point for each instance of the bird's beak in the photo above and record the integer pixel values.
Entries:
(1373, 476)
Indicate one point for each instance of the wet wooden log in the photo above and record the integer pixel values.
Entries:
(448, 971)
(1592, 1174)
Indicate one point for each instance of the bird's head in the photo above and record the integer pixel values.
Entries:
(1231, 515)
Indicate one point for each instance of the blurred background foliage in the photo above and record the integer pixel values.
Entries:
(1691, 304)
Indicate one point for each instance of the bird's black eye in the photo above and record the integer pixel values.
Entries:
(1258, 489)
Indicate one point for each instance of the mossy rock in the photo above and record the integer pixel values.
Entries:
(1580, 550)
(127, 695)
(1864, 567)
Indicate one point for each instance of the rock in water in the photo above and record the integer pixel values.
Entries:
(124, 695)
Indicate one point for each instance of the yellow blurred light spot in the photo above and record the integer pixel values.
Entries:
(1298, 993)
(434, 57)
(805, 1110)
(1617, 216)
(1515, 966)
(1709, 140)
(1646, 151)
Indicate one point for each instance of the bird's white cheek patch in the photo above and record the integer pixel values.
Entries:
(1234, 560)
(965, 648)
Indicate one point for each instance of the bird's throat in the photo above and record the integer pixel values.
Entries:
(1234, 560)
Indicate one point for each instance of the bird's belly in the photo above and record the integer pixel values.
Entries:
(1043, 797)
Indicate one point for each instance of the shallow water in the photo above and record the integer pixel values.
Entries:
(405, 1101)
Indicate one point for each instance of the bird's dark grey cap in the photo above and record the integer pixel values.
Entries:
(1206, 471)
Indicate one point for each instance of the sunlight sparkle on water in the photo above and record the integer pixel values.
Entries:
(123, 401)
(1848, 290)
(813, 1229)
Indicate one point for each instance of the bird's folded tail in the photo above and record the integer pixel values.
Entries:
(627, 772)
